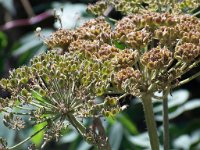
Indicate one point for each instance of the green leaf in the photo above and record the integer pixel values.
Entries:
(69, 137)
(141, 140)
(69, 14)
(9, 5)
(37, 139)
(119, 45)
(37, 96)
(31, 36)
(116, 135)
(111, 120)
(26, 47)
(188, 140)
(84, 146)
(6, 133)
(3, 40)
(190, 105)
(176, 99)
(126, 122)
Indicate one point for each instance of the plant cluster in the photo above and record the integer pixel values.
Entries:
(134, 6)
(83, 69)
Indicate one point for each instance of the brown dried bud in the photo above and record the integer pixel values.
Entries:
(187, 52)
(156, 58)
(127, 73)
(93, 29)
(84, 45)
(107, 51)
(61, 38)
(98, 9)
(126, 58)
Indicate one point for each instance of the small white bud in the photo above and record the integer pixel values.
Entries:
(38, 29)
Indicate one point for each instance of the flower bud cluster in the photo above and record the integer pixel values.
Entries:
(97, 29)
(187, 52)
(60, 38)
(120, 5)
(127, 73)
(156, 58)
(133, 39)
(98, 8)
(165, 33)
(186, 5)
(148, 39)
(141, 54)
(137, 30)
(125, 58)
(129, 80)
(111, 106)
(57, 85)
(133, 6)
(84, 45)
(107, 52)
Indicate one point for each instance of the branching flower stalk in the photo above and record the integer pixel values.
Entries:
(144, 53)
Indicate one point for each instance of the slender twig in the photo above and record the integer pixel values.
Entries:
(165, 120)
(27, 6)
(103, 143)
(16, 113)
(108, 10)
(111, 19)
(196, 14)
(124, 95)
(25, 22)
(30, 137)
(186, 69)
(24, 108)
(187, 80)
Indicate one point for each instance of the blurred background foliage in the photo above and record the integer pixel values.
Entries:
(19, 43)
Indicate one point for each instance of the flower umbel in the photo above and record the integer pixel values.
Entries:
(77, 78)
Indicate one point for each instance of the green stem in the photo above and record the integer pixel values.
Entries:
(79, 127)
(102, 140)
(30, 137)
(111, 19)
(16, 113)
(165, 121)
(194, 64)
(196, 14)
(150, 121)
(188, 79)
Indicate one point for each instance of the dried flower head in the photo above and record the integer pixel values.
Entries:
(60, 38)
(187, 52)
(133, 6)
(97, 29)
(143, 53)
(56, 87)
(147, 42)
(156, 58)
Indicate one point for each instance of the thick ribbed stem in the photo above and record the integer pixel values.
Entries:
(150, 121)
(165, 122)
